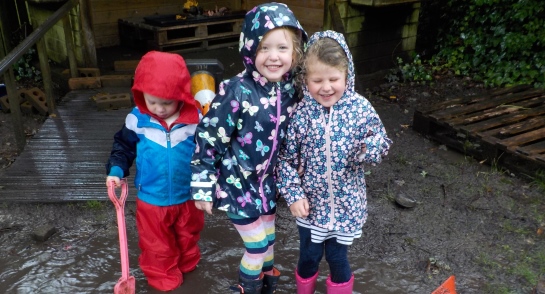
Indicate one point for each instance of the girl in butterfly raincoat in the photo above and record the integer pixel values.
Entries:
(239, 138)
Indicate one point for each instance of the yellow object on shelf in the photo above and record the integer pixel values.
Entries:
(190, 3)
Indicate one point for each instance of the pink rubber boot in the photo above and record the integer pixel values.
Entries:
(340, 288)
(305, 286)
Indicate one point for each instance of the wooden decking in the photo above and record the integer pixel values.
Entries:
(505, 128)
(65, 160)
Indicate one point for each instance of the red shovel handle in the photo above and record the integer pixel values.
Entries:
(126, 282)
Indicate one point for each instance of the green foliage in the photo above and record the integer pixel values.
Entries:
(498, 42)
(23, 68)
(413, 71)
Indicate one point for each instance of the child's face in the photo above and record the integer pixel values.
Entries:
(325, 83)
(275, 55)
(162, 108)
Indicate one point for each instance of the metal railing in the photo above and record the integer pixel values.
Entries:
(36, 37)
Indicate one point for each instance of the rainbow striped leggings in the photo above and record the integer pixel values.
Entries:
(258, 236)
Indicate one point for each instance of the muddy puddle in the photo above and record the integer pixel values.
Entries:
(87, 260)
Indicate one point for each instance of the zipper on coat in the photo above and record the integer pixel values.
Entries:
(328, 165)
(275, 142)
(169, 170)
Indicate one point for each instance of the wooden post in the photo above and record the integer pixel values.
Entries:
(46, 75)
(69, 40)
(88, 36)
(14, 101)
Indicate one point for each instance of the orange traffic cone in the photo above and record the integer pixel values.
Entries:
(448, 287)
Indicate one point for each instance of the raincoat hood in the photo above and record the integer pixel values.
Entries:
(350, 78)
(260, 20)
(165, 75)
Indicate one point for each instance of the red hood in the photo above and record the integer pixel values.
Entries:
(165, 75)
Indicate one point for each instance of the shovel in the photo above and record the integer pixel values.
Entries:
(125, 284)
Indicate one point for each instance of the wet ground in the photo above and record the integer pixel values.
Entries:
(84, 258)
(472, 220)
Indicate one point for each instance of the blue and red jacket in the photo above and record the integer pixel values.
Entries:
(162, 154)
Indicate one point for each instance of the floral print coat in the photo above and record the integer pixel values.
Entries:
(239, 137)
(328, 146)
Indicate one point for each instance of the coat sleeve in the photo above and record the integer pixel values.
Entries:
(123, 151)
(213, 136)
(288, 180)
(375, 137)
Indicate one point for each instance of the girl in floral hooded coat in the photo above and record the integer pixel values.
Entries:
(333, 133)
(239, 138)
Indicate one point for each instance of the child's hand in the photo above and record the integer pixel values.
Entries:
(117, 181)
(204, 206)
(300, 171)
(361, 154)
(300, 208)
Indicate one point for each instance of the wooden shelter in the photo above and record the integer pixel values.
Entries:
(377, 31)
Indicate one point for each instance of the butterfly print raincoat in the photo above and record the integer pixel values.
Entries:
(239, 138)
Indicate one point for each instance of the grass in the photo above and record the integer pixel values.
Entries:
(524, 262)
(496, 289)
(93, 204)
(510, 226)
(402, 160)
(539, 180)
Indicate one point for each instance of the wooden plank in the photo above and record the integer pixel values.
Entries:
(308, 16)
(111, 16)
(310, 13)
(523, 138)
(125, 65)
(506, 119)
(532, 149)
(291, 4)
(108, 5)
(107, 29)
(485, 104)
(500, 112)
(472, 99)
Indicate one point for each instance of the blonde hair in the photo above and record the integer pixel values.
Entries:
(297, 42)
(327, 51)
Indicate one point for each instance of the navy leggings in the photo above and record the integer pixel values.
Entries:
(310, 255)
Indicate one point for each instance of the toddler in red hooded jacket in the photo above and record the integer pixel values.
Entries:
(159, 135)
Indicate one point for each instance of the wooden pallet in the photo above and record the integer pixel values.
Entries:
(505, 128)
(135, 33)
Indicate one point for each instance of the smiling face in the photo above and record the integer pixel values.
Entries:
(325, 83)
(162, 108)
(275, 54)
